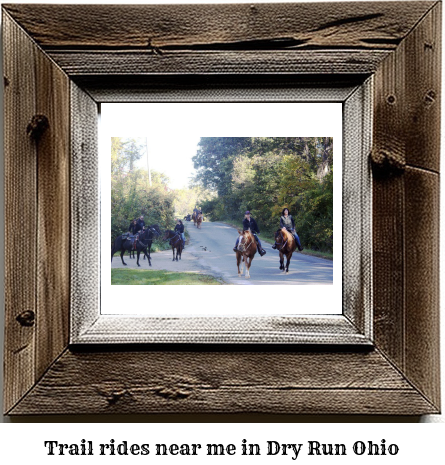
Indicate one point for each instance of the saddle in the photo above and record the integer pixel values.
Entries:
(133, 239)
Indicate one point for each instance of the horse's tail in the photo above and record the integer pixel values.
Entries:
(115, 247)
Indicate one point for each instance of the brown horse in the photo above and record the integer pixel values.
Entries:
(199, 220)
(194, 218)
(175, 242)
(286, 245)
(246, 250)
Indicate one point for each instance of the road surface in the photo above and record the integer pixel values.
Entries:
(210, 252)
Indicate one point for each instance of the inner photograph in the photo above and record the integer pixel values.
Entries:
(192, 201)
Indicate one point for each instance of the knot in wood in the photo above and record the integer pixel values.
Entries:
(430, 97)
(37, 126)
(26, 318)
(388, 162)
(114, 397)
(172, 393)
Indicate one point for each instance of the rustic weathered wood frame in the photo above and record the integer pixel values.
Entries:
(76, 56)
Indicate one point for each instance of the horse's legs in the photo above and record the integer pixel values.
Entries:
(173, 250)
(148, 257)
(122, 257)
(238, 261)
(288, 262)
(248, 263)
(139, 253)
(281, 261)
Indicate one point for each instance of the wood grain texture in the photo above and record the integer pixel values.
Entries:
(357, 208)
(112, 329)
(20, 212)
(53, 227)
(37, 215)
(159, 27)
(407, 113)
(218, 87)
(79, 63)
(406, 207)
(221, 382)
(423, 92)
(400, 376)
(388, 268)
(85, 211)
(422, 281)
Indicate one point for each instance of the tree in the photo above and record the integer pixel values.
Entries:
(131, 193)
(266, 174)
(213, 160)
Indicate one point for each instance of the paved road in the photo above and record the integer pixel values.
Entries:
(210, 252)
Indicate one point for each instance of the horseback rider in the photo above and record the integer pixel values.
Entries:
(179, 228)
(286, 221)
(140, 225)
(249, 224)
(133, 227)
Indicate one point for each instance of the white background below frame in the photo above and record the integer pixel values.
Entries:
(220, 120)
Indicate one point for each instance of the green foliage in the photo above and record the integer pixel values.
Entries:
(131, 193)
(213, 159)
(187, 199)
(266, 174)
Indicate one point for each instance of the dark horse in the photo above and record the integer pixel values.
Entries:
(175, 241)
(140, 243)
(246, 250)
(157, 232)
(286, 245)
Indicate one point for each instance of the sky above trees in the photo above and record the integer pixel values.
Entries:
(173, 130)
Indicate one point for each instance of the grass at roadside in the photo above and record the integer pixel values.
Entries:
(270, 240)
(156, 277)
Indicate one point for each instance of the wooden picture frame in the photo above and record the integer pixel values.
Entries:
(56, 72)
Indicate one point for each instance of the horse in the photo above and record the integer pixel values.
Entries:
(246, 250)
(286, 245)
(139, 242)
(156, 230)
(199, 221)
(175, 241)
(194, 218)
